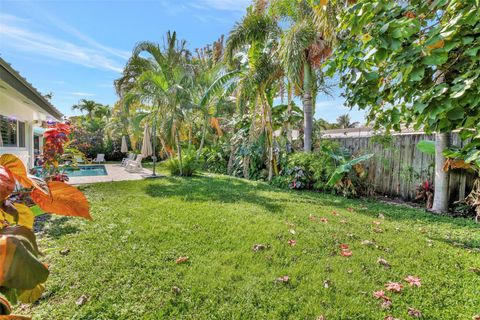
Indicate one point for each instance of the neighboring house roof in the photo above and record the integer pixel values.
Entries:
(19, 83)
(362, 132)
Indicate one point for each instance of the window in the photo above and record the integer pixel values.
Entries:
(12, 132)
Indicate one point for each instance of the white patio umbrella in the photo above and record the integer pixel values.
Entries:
(124, 147)
(147, 144)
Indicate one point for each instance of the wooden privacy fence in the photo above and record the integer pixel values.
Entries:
(398, 167)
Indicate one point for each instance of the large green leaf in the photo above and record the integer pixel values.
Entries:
(345, 168)
(426, 146)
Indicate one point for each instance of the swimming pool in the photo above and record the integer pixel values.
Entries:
(83, 171)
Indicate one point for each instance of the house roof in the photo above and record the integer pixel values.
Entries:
(363, 132)
(20, 84)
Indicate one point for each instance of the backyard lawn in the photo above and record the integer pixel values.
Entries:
(123, 265)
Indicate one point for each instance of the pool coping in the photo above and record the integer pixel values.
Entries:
(115, 172)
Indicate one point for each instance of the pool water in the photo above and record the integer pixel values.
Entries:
(84, 171)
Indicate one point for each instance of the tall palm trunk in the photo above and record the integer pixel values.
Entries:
(289, 114)
(246, 160)
(269, 132)
(179, 151)
(440, 197)
(204, 132)
(307, 107)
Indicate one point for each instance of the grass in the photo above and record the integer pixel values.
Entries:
(124, 261)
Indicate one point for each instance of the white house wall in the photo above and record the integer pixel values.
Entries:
(15, 105)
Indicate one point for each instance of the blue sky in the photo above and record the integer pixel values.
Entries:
(76, 48)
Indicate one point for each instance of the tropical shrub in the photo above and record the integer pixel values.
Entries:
(188, 167)
(22, 273)
(214, 159)
(308, 170)
(349, 176)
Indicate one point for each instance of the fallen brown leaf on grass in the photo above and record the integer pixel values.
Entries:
(259, 247)
(394, 286)
(176, 290)
(283, 279)
(383, 262)
(82, 300)
(414, 313)
(181, 260)
(413, 281)
(367, 243)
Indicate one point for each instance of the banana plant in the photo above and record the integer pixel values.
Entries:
(345, 166)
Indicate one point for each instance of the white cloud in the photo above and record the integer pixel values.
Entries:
(83, 94)
(14, 33)
(230, 5)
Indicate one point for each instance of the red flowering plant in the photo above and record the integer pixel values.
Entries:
(58, 155)
(22, 273)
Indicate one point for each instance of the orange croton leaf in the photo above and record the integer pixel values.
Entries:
(63, 199)
(7, 183)
(16, 168)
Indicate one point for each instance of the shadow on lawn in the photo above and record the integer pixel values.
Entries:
(54, 227)
(231, 190)
(226, 190)
(391, 211)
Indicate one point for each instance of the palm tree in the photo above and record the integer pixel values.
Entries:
(303, 49)
(344, 122)
(161, 85)
(88, 106)
(258, 83)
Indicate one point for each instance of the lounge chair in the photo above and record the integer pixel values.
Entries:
(125, 161)
(99, 159)
(135, 165)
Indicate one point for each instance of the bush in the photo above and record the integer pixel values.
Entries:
(308, 170)
(189, 164)
(214, 159)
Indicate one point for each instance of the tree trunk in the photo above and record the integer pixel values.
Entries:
(179, 151)
(289, 114)
(231, 159)
(269, 131)
(307, 108)
(440, 198)
(204, 132)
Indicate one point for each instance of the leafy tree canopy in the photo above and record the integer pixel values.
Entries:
(414, 63)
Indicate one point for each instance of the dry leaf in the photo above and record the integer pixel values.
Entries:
(258, 247)
(181, 260)
(394, 286)
(283, 279)
(384, 263)
(82, 300)
(414, 313)
(413, 281)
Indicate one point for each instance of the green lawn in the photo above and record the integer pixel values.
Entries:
(125, 260)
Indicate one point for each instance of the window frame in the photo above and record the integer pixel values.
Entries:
(20, 140)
